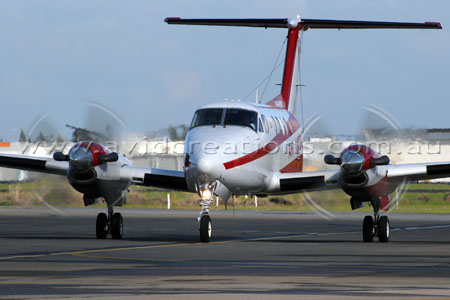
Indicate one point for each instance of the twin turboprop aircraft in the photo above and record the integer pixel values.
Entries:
(239, 148)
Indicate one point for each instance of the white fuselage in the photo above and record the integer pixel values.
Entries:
(243, 157)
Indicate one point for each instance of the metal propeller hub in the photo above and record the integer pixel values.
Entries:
(80, 158)
(352, 162)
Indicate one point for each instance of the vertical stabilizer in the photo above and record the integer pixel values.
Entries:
(289, 86)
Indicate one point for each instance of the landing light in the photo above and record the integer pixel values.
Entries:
(205, 194)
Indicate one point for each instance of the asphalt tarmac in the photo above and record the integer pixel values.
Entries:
(53, 253)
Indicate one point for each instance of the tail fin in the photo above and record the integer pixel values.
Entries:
(286, 99)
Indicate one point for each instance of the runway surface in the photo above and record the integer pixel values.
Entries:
(255, 255)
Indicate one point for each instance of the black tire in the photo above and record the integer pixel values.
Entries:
(117, 226)
(205, 229)
(383, 229)
(368, 229)
(102, 226)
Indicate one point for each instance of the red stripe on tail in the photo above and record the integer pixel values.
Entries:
(288, 74)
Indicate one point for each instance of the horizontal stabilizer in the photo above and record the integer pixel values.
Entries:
(267, 23)
(338, 24)
(305, 23)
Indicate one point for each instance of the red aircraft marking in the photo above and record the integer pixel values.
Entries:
(266, 149)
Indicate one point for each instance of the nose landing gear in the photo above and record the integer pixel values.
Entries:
(206, 193)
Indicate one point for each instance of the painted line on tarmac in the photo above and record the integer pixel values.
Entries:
(426, 227)
(23, 256)
(82, 252)
(95, 251)
(246, 239)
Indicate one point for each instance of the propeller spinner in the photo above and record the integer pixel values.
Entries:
(85, 155)
(354, 161)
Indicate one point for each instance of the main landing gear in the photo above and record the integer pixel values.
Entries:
(113, 223)
(376, 226)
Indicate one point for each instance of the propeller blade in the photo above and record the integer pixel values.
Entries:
(111, 157)
(332, 160)
(59, 156)
(380, 161)
(103, 124)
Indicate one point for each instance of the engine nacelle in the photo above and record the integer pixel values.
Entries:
(356, 180)
(82, 174)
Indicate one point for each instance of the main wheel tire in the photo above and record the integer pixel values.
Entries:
(101, 226)
(117, 226)
(205, 229)
(383, 229)
(368, 229)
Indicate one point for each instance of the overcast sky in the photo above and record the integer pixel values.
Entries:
(56, 55)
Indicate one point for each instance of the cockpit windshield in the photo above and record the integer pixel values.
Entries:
(241, 117)
(207, 117)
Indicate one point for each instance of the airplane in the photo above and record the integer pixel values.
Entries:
(240, 148)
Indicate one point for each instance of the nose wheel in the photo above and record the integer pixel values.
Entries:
(206, 193)
(205, 228)
(113, 223)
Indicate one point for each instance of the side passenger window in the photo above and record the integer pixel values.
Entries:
(276, 125)
(290, 127)
(286, 128)
(265, 123)
(280, 126)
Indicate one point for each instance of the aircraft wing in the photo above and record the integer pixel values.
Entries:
(169, 179)
(329, 179)
(137, 175)
(309, 181)
(33, 163)
(416, 172)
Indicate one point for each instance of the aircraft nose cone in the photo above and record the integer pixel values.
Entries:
(205, 165)
(80, 158)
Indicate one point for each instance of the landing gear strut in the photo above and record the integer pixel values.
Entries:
(376, 226)
(204, 220)
(113, 223)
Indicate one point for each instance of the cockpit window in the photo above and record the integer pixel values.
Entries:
(207, 117)
(241, 117)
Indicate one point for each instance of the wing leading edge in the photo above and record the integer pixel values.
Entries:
(329, 179)
(168, 179)
(418, 172)
(32, 163)
(308, 181)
